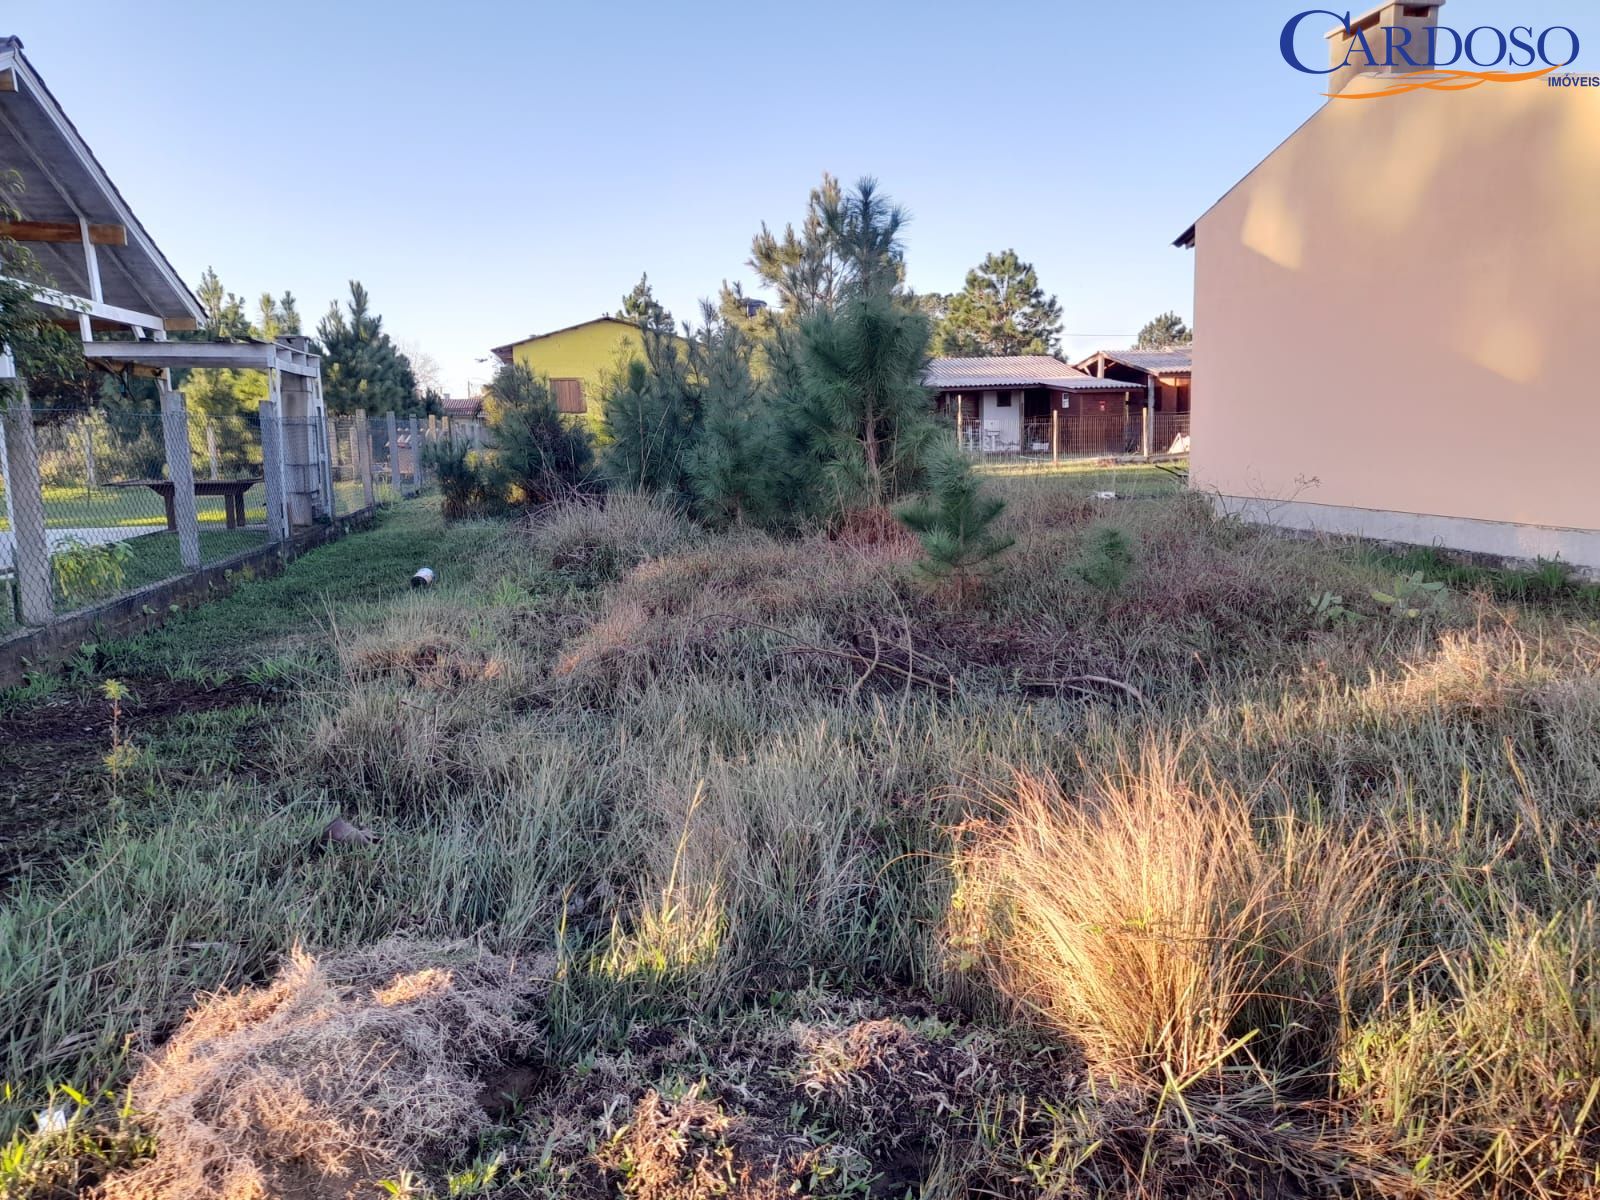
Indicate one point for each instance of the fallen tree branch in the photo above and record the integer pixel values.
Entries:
(1076, 682)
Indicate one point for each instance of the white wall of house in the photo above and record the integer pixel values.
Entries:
(1002, 421)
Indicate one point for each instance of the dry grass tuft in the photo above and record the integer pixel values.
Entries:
(692, 1149)
(699, 607)
(596, 540)
(1166, 933)
(339, 1073)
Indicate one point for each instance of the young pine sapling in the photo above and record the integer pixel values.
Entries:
(954, 525)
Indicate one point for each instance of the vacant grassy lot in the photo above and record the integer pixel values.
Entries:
(1185, 861)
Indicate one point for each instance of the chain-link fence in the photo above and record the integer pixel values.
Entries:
(382, 433)
(93, 509)
(351, 487)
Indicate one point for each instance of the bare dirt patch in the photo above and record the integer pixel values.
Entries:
(53, 780)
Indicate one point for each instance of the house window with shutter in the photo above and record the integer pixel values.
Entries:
(569, 395)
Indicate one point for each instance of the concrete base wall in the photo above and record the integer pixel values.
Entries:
(1501, 540)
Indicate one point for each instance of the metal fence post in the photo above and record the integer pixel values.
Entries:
(272, 469)
(24, 501)
(1055, 435)
(364, 458)
(180, 470)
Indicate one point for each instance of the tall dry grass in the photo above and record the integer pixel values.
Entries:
(1307, 911)
(1171, 932)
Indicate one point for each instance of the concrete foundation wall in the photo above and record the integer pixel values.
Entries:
(1502, 540)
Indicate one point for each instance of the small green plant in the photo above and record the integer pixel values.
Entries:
(1412, 597)
(1328, 611)
(407, 1186)
(85, 571)
(1106, 560)
(122, 754)
(953, 524)
(479, 1179)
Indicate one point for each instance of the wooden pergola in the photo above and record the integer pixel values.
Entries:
(104, 273)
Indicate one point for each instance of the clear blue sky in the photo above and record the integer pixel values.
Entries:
(490, 170)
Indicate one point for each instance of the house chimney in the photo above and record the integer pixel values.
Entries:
(1392, 31)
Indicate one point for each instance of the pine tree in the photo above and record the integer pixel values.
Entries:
(1164, 332)
(361, 366)
(860, 417)
(804, 269)
(728, 463)
(649, 418)
(1001, 310)
(848, 245)
(953, 523)
(642, 308)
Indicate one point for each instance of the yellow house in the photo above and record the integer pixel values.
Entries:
(578, 359)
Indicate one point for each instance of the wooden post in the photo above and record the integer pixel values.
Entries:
(961, 441)
(1149, 412)
(272, 466)
(211, 448)
(1055, 435)
(19, 458)
(364, 458)
(180, 469)
(416, 455)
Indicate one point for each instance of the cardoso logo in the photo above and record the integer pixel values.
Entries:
(1437, 57)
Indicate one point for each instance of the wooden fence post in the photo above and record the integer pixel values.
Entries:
(390, 431)
(180, 470)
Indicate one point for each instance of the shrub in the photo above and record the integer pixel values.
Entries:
(539, 455)
(466, 480)
(87, 571)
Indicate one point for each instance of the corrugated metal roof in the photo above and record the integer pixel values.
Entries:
(1020, 370)
(462, 406)
(1173, 361)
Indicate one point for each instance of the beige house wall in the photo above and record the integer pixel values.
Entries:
(1399, 312)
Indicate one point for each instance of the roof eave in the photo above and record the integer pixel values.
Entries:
(12, 59)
